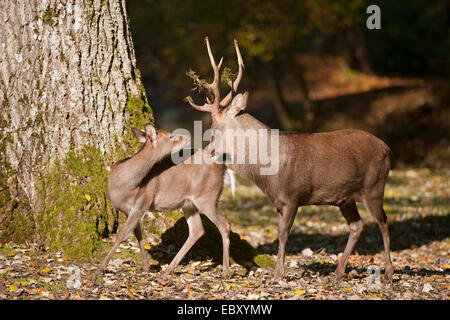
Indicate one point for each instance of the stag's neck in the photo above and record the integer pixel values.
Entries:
(252, 171)
(246, 121)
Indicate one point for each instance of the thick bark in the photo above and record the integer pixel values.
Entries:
(358, 49)
(282, 110)
(308, 105)
(67, 74)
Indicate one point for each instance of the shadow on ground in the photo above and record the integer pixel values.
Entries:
(325, 269)
(209, 246)
(404, 234)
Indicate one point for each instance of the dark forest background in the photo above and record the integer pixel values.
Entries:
(311, 65)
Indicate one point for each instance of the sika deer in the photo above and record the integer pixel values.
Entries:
(334, 168)
(150, 181)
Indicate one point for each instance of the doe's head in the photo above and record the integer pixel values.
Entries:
(161, 139)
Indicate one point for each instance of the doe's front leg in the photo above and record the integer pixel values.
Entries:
(131, 223)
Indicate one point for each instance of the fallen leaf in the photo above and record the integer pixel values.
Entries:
(427, 288)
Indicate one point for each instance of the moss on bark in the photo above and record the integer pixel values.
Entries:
(74, 207)
(15, 221)
(76, 214)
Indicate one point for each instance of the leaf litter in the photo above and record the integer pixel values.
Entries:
(417, 205)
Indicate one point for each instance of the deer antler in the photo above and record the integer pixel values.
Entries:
(213, 106)
(234, 84)
(213, 87)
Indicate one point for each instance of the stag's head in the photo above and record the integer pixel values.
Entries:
(223, 110)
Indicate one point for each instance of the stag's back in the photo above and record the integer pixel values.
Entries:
(328, 168)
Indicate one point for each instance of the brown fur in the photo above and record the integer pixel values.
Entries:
(334, 168)
(149, 181)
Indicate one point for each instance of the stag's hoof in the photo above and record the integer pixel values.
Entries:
(226, 274)
(278, 275)
(387, 277)
(339, 274)
(100, 270)
(167, 271)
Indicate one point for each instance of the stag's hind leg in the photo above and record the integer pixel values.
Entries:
(351, 215)
(196, 231)
(375, 205)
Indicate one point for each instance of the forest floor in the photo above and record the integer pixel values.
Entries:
(417, 205)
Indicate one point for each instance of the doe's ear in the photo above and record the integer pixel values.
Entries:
(151, 132)
(140, 135)
(238, 104)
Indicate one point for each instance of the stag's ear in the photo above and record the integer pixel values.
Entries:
(151, 132)
(140, 135)
(238, 104)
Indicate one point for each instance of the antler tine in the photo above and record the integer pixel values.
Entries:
(234, 84)
(214, 86)
(208, 107)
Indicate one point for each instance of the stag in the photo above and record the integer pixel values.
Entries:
(336, 168)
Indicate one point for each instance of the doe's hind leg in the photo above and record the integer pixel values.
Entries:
(196, 231)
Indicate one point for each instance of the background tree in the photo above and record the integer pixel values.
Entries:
(273, 37)
(69, 90)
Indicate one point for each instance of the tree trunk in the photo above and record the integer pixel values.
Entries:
(69, 89)
(308, 105)
(356, 44)
(281, 109)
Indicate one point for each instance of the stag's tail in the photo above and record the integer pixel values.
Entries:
(230, 180)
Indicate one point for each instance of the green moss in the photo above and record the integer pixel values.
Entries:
(75, 212)
(62, 57)
(139, 114)
(49, 15)
(139, 111)
(265, 261)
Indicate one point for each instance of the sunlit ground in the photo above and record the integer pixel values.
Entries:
(416, 202)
